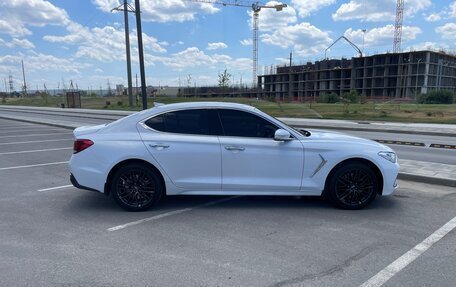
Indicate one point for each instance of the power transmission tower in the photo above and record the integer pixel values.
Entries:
(127, 8)
(398, 26)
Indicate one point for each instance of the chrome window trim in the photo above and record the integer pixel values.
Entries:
(143, 122)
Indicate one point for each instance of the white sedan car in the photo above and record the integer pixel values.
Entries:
(226, 149)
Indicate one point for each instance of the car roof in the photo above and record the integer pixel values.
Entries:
(192, 105)
(125, 123)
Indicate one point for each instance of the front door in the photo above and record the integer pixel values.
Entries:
(252, 160)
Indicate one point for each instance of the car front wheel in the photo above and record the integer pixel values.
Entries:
(352, 186)
(136, 187)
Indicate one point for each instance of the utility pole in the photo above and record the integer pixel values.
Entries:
(11, 83)
(127, 8)
(141, 54)
(136, 90)
(23, 75)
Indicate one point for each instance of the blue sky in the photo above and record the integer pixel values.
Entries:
(191, 43)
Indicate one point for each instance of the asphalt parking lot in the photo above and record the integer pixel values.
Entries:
(53, 234)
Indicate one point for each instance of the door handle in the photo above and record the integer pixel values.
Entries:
(159, 146)
(238, 148)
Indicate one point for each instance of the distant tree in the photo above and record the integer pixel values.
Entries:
(224, 80)
(349, 98)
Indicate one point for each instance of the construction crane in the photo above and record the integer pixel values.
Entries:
(349, 42)
(256, 8)
(398, 26)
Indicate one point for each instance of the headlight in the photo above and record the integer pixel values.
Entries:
(388, 155)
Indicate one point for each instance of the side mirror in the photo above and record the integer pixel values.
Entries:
(282, 135)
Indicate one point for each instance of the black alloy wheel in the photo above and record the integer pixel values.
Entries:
(136, 187)
(352, 186)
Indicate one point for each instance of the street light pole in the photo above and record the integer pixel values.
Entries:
(141, 55)
(364, 34)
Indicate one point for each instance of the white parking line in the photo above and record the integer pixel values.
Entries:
(33, 165)
(25, 142)
(36, 150)
(15, 127)
(167, 214)
(54, 188)
(34, 135)
(381, 277)
(33, 130)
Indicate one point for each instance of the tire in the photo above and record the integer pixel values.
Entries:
(352, 186)
(136, 187)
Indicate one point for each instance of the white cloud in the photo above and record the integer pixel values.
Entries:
(307, 7)
(190, 57)
(15, 42)
(38, 62)
(12, 29)
(427, 46)
(270, 19)
(105, 44)
(377, 10)
(447, 31)
(216, 46)
(164, 10)
(304, 38)
(246, 42)
(452, 11)
(433, 17)
(381, 35)
(17, 15)
(106, 5)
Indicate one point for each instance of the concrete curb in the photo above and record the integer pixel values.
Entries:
(402, 175)
(427, 179)
(64, 126)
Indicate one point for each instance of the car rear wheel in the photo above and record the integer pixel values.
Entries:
(352, 186)
(136, 187)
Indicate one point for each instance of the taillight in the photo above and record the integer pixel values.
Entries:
(80, 145)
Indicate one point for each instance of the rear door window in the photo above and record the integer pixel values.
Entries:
(195, 121)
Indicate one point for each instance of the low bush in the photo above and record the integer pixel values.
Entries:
(328, 98)
(437, 97)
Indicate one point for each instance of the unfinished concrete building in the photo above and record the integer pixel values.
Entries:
(381, 76)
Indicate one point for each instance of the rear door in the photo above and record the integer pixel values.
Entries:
(187, 148)
(252, 160)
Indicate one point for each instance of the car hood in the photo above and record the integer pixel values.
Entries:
(84, 130)
(326, 136)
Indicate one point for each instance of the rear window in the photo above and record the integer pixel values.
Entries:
(183, 122)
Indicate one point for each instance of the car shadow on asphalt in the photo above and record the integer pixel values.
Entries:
(91, 201)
